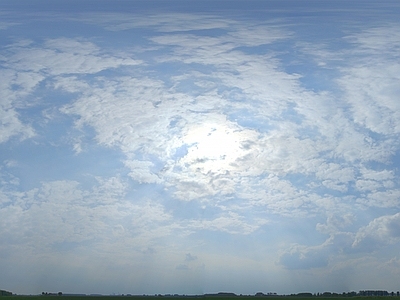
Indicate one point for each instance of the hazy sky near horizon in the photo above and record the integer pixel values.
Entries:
(199, 146)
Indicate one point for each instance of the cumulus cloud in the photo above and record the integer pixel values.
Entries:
(379, 232)
(304, 258)
(335, 223)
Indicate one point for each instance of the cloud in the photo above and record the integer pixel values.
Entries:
(64, 56)
(377, 40)
(190, 257)
(15, 86)
(167, 22)
(6, 25)
(140, 171)
(370, 84)
(304, 258)
(379, 232)
(88, 218)
(151, 119)
(12, 126)
(393, 265)
(27, 65)
(229, 222)
(198, 123)
(335, 223)
(320, 256)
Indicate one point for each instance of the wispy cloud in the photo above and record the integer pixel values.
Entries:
(65, 56)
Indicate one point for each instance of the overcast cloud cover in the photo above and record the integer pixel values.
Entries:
(199, 146)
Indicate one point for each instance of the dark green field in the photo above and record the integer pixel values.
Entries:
(40, 297)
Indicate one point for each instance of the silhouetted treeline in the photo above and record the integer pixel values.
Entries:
(224, 295)
(5, 293)
(367, 293)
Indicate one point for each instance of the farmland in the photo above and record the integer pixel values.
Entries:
(180, 297)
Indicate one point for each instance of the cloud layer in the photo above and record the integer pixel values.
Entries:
(200, 145)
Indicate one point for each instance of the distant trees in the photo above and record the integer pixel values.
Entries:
(51, 294)
(373, 293)
(5, 293)
(304, 294)
(368, 293)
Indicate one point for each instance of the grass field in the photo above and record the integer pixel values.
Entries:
(40, 297)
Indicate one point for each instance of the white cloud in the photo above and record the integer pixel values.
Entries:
(377, 40)
(258, 34)
(70, 84)
(170, 138)
(385, 198)
(379, 232)
(166, 22)
(368, 185)
(12, 126)
(372, 91)
(15, 86)
(229, 222)
(26, 67)
(6, 25)
(370, 82)
(157, 122)
(335, 223)
(79, 216)
(335, 172)
(140, 171)
(393, 265)
(299, 257)
(377, 175)
(65, 56)
(373, 181)
(134, 125)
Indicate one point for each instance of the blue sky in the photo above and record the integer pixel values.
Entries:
(199, 146)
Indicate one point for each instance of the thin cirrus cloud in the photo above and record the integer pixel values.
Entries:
(196, 145)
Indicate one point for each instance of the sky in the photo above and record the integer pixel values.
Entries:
(195, 147)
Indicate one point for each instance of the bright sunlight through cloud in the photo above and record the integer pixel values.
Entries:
(214, 147)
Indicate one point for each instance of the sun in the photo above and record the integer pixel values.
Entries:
(212, 147)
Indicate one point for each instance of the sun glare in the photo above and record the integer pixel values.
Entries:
(212, 147)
